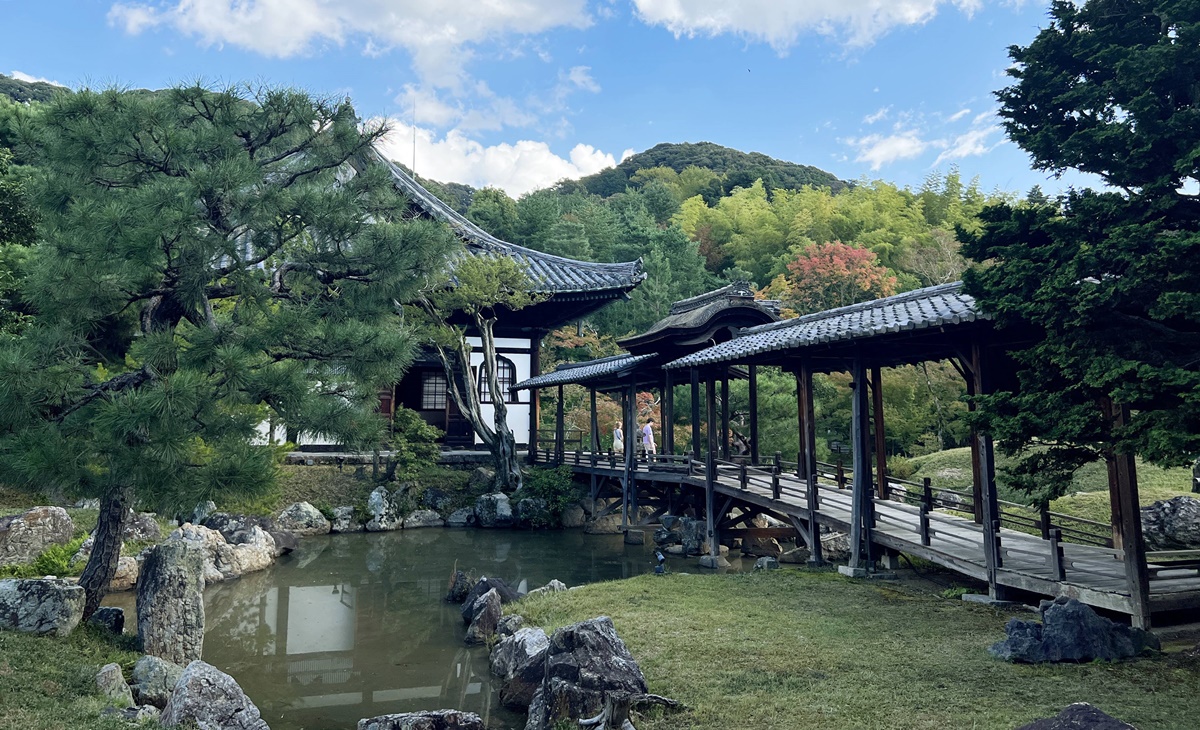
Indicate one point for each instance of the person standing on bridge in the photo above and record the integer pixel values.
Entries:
(618, 439)
(648, 437)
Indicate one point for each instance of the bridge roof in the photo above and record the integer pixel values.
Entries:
(606, 368)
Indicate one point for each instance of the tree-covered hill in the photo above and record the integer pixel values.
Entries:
(734, 167)
(26, 91)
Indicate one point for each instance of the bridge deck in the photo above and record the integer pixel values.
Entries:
(1093, 574)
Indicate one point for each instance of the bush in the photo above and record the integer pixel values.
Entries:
(54, 560)
(414, 442)
(901, 467)
(555, 486)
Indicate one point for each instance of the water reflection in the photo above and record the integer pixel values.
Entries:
(354, 626)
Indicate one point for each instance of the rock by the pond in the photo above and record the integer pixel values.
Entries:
(767, 547)
(460, 587)
(554, 586)
(170, 602)
(532, 512)
(109, 618)
(766, 563)
(126, 576)
(674, 550)
(436, 499)
(239, 530)
(1172, 524)
(494, 510)
(285, 542)
(23, 537)
(664, 536)
(584, 662)
(464, 517)
(607, 525)
(635, 537)
(385, 509)
(153, 680)
(431, 720)
(1079, 716)
(482, 586)
(344, 520)
(423, 518)
(573, 516)
(509, 625)
(302, 519)
(44, 607)
(223, 561)
(212, 700)
(1070, 632)
(713, 561)
(201, 512)
(796, 555)
(482, 479)
(112, 685)
(835, 546)
(133, 715)
(693, 535)
(142, 527)
(519, 660)
(487, 611)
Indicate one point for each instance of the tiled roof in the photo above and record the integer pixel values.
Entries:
(582, 372)
(550, 274)
(933, 306)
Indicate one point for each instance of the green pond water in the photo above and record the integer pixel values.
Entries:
(354, 626)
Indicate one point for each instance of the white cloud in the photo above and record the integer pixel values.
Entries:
(973, 143)
(581, 77)
(437, 33)
(516, 168)
(31, 79)
(958, 115)
(878, 150)
(879, 115)
(781, 23)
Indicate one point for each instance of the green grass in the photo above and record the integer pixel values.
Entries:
(791, 648)
(50, 684)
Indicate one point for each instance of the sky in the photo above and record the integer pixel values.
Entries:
(519, 94)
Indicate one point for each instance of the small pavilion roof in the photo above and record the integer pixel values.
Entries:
(697, 316)
(550, 274)
(585, 372)
(931, 307)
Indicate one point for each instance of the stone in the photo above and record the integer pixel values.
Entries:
(344, 520)
(584, 663)
(519, 661)
(509, 625)
(170, 602)
(487, 612)
(835, 546)
(664, 536)
(109, 618)
(431, 720)
(635, 537)
(423, 518)
(494, 510)
(554, 586)
(239, 530)
(142, 527)
(711, 561)
(482, 586)
(223, 561)
(23, 537)
(672, 522)
(211, 699)
(154, 679)
(762, 547)
(302, 519)
(694, 536)
(436, 499)
(766, 563)
(949, 500)
(795, 556)
(201, 512)
(482, 479)
(1079, 716)
(1070, 632)
(1172, 524)
(112, 686)
(532, 512)
(285, 542)
(385, 510)
(607, 525)
(573, 516)
(464, 517)
(461, 584)
(674, 550)
(133, 715)
(87, 504)
(126, 577)
(46, 607)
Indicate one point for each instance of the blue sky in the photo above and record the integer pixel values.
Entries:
(521, 93)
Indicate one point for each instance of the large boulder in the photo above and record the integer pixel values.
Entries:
(486, 615)
(573, 516)
(762, 547)
(201, 512)
(482, 586)
(464, 517)
(223, 561)
(239, 529)
(126, 576)
(431, 720)
(520, 663)
(584, 663)
(554, 586)
(109, 618)
(112, 685)
(1079, 716)
(607, 525)
(154, 679)
(45, 607)
(170, 602)
(142, 527)
(23, 537)
(1070, 632)
(211, 699)
(423, 518)
(494, 510)
(532, 512)
(386, 510)
(438, 500)
(482, 479)
(693, 536)
(509, 625)
(303, 519)
(1172, 524)
(345, 520)
(460, 587)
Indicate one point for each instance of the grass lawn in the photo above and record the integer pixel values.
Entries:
(50, 684)
(799, 649)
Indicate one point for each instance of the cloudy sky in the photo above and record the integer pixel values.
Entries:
(521, 93)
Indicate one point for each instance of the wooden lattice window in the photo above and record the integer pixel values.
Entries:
(433, 391)
(506, 374)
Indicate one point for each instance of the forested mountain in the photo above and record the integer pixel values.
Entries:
(26, 91)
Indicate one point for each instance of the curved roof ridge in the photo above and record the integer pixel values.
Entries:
(860, 306)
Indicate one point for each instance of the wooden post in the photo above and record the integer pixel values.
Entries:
(814, 527)
(753, 385)
(668, 417)
(695, 414)
(1133, 548)
(860, 524)
(630, 452)
(558, 428)
(808, 424)
(711, 471)
(595, 424)
(725, 417)
(976, 475)
(535, 405)
(986, 503)
(880, 444)
(1057, 564)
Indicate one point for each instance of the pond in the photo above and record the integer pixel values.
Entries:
(354, 626)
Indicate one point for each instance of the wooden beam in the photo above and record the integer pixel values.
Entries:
(1134, 550)
(880, 443)
(808, 421)
(987, 506)
(710, 473)
(725, 416)
(860, 525)
(695, 414)
(630, 452)
(779, 533)
(535, 405)
(595, 421)
(753, 385)
(668, 415)
(559, 433)
(976, 475)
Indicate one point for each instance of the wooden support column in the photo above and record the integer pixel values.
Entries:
(710, 479)
(753, 385)
(668, 416)
(807, 454)
(695, 414)
(559, 432)
(627, 485)
(976, 473)
(1133, 547)
(535, 405)
(595, 422)
(860, 521)
(725, 416)
(880, 443)
(987, 504)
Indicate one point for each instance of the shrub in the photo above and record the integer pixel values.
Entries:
(414, 442)
(54, 560)
(556, 486)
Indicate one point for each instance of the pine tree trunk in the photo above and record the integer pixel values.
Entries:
(106, 548)
(504, 447)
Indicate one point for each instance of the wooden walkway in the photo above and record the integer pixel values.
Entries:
(908, 522)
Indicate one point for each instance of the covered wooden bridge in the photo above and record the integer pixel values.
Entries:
(1012, 547)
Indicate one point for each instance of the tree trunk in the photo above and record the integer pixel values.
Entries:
(504, 447)
(106, 548)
